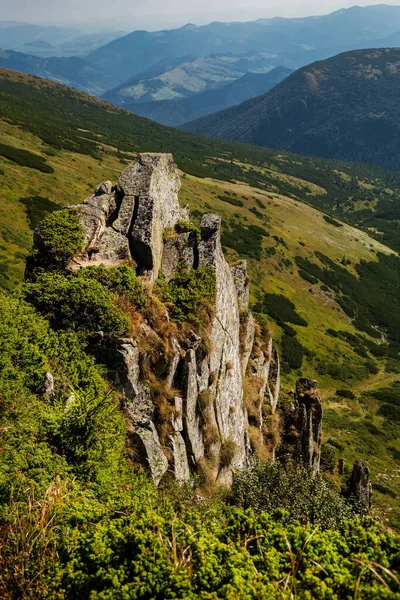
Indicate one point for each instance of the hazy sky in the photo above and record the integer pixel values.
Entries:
(173, 11)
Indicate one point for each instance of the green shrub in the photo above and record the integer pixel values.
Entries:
(345, 394)
(121, 280)
(37, 208)
(60, 236)
(230, 200)
(25, 340)
(306, 497)
(88, 431)
(329, 457)
(307, 277)
(31, 458)
(281, 309)
(292, 352)
(389, 395)
(332, 221)
(76, 303)
(394, 452)
(186, 227)
(390, 412)
(383, 489)
(260, 203)
(25, 158)
(289, 331)
(246, 241)
(190, 295)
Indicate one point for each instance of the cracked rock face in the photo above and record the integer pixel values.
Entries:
(128, 222)
(304, 424)
(360, 488)
(225, 343)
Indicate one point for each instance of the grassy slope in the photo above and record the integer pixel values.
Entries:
(353, 424)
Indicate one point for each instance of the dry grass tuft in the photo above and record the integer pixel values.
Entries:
(227, 453)
(251, 396)
(258, 446)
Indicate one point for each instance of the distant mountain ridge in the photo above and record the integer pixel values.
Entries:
(49, 41)
(294, 42)
(175, 113)
(182, 79)
(346, 107)
(74, 72)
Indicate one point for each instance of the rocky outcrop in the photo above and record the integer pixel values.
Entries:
(303, 424)
(139, 408)
(128, 222)
(179, 250)
(152, 181)
(239, 272)
(197, 386)
(360, 488)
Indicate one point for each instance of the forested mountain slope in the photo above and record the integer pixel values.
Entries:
(345, 107)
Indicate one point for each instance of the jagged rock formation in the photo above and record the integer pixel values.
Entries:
(209, 422)
(129, 221)
(303, 426)
(360, 488)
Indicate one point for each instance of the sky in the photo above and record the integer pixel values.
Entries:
(155, 13)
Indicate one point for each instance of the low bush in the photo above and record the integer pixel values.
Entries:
(379, 487)
(230, 200)
(88, 431)
(60, 236)
(190, 295)
(121, 280)
(307, 277)
(389, 395)
(77, 304)
(24, 158)
(281, 309)
(37, 208)
(390, 412)
(292, 352)
(306, 498)
(332, 221)
(246, 241)
(186, 227)
(346, 394)
(329, 457)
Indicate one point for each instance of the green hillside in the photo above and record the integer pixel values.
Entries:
(345, 107)
(343, 326)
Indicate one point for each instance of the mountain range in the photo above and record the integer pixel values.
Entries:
(160, 66)
(188, 77)
(345, 108)
(178, 112)
(293, 42)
